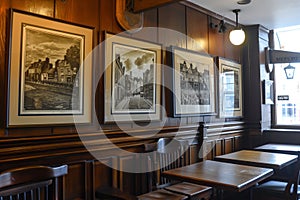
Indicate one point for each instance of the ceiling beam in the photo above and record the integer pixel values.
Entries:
(142, 5)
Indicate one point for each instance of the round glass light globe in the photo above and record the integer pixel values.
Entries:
(237, 36)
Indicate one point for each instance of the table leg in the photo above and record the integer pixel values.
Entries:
(220, 193)
(251, 193)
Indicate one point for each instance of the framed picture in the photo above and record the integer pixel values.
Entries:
(49, 75)
(193, 83)
(230, 88)
(268, 94)
(132, 79)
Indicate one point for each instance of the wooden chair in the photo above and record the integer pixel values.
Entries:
(278, 190)
(31, 183)
(115, 193)
(169, 156)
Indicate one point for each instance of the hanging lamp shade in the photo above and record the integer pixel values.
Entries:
(237, 35)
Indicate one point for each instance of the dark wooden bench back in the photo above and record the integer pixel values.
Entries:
(31, 183)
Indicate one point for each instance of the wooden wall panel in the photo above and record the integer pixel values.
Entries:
(127, 180)
(208, 149)
(218, 147)
(4, 26)
(102, 173)
(238, 143)
(197, 30)
(149, 32)
(116, 27)
(141, 5)
(42, 7)
(106, 13)
(150, 18)
(194, 154)
(75, 182)
(86, 13)
(175, 25)
(228, 145)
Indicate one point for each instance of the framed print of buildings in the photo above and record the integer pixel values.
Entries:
(193, 83)
(49, 78)
(230, 88)
(132, 79)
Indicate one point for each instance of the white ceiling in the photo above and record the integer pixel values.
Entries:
(271, 14)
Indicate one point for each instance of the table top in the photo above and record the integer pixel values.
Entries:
(275, 161)
(220, 175)
(280, 148)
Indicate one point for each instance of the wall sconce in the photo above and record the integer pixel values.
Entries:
(237, 35)
(221, 26)
(289, 71)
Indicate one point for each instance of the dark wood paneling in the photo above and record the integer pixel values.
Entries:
(4, 5)
(197, 30)
(42, 7)
(75, 182)
(142, 5)
(149, 32)
(29, 132)
(228, 145)
(106, 12)
(194, 154)
(252, 77)
(175, 26)
(127, 180)
(86, 13)
(219, 147)
(208, 149)
(150, 18)
(238, 143)
(116, 27)
(103, 174)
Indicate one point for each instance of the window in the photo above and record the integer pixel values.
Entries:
(287, 91)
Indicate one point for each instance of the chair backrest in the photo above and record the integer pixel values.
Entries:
(291, 190)
(169, 156)
(30, 183)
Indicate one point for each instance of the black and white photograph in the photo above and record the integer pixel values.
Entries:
(132, 79)
(51, 72)
(49, 75)
(194, 85)
(230, 88)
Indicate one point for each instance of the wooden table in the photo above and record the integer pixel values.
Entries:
(280, 148)
(276, 161)
(221, 175)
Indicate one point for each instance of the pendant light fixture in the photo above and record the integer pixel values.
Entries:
(237, 35)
